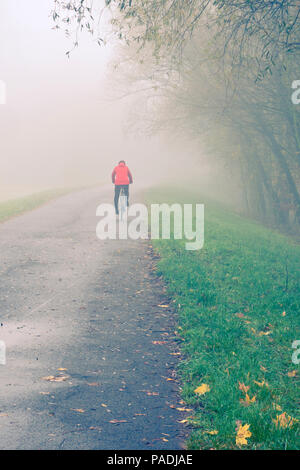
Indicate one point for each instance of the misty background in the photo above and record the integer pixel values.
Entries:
(186, 95)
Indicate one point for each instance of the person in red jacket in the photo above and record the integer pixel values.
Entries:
(121, 178)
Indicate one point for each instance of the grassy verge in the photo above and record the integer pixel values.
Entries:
(17, 206)
(238, 301)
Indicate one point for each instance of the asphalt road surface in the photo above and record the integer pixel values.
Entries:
(90, 354)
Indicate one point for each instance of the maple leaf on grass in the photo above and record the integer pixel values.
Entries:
(202, 389)
(247, 400)
(284, 421)
(243, 387)
(261, 384)
(242, 435)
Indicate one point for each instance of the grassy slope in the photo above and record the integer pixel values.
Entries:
(15, 207)
(241, 270)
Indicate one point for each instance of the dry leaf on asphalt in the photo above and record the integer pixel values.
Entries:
(53, 378)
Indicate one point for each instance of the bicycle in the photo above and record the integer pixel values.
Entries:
(122, 204)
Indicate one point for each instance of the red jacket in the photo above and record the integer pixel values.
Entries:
(121, 175)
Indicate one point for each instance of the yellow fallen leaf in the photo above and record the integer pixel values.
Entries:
(243, 387)
(247, 400)
(292, 373)
(277, 407)
(265, 333)
(243, 434)
(79, 410)
(284, 420)
(263, 369)
(163, 305)
(204, 388)
(62, 368)
(183, 421)
(262, 383)
(283, 314)
(184, 409)
(59, 378)
(212, 433)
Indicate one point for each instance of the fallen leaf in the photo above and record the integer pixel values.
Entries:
(62, 368)
(212, 433)
(59, 378)
(184, 409)
(247, 400)
(204, 388)
(93, 384)
(159, 342)
(163, 305)
(292, 373)
(242, 434)
(240, 315)
(115, 421)
(243, 387)
(261, 384)
(284, 420)
(79, 410)
(95, 428)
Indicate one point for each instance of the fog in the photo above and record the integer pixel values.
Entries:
(62, 124)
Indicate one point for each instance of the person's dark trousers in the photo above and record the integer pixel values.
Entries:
(117, 194)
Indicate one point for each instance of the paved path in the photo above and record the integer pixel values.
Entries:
(69, 301)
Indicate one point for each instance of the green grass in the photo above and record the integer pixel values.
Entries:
(242, 270)
(18, 206)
